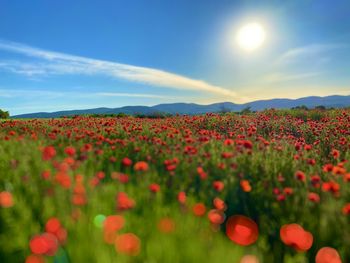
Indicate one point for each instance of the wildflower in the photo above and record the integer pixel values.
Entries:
(219, 204)
(35, 259)
(126, 162)
(300, 176)
(249, 259)
(141, 166)
(154, 188)
(124, 202)
(335, 153)
(128, 244)
(245, 185)
(166, 225)
(295, 236)
(45, 244)
(199, 209)
(218, 186)
(70, 150)
(48, 153)
(314, 197)
(346, 209)
(327, 255)
(242, 230)
(6, 199)
(216, 217)
(181, 197)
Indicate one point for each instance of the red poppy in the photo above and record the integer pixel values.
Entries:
(335, 154)
(46, 244)
(199, 209)
(6, 199)
(48, 153)
(111, 225)
(154, 188)
(249, 259)
(314, 197)
(346, 209)
(300, 176)
(128, 244)
(219, 204)
(35, 259)
(181, 197)
(141, 166)
(245, 185)
(295, 236)
(53, 225)
(327, 255)
(126, 162)
(124, 202)
(242, 230)
(70, 150)
(166, 225)
(216, 217)
(218, 186)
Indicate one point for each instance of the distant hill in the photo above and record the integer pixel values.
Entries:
(192, 108)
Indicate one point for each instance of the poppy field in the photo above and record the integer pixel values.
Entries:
(272, 186)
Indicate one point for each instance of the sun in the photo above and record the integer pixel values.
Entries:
(251, 36)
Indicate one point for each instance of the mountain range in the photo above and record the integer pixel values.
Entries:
(335, 101)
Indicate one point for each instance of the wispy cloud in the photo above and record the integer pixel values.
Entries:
(137, 95)
(299, 53)
(47, 94)
(60, 63)
(283, 77)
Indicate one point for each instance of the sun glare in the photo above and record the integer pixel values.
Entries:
(251, 36)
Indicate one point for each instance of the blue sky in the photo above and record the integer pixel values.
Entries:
(57, 55)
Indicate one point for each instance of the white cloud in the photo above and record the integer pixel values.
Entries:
(60, 63)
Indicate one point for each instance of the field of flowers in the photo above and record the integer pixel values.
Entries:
(264, 187)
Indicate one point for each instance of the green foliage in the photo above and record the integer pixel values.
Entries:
(4, 114)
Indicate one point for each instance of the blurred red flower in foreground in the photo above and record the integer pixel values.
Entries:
(295, 236)
(6, 199)
(327, 255)
(128, 244)
(242, 230)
